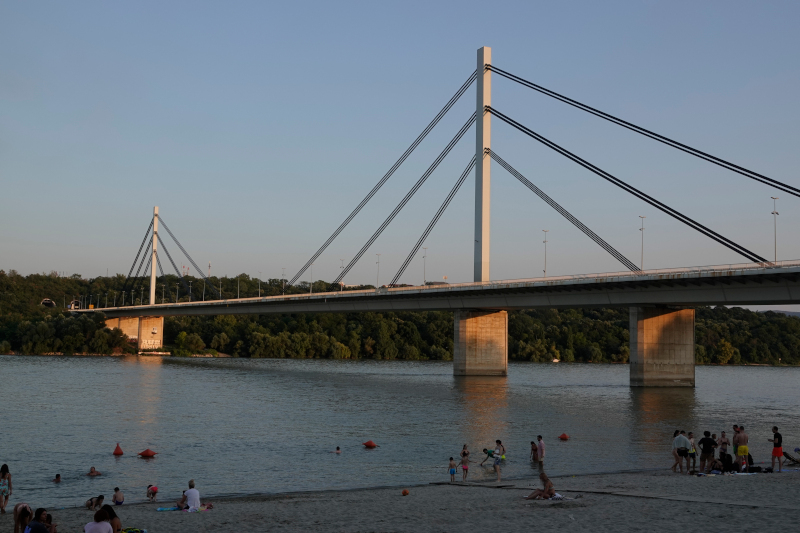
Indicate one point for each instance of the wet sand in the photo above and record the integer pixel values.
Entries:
(617, 502)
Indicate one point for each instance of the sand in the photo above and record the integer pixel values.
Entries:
(618, 502)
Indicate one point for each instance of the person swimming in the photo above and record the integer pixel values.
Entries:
(57, 478)
(93, 472)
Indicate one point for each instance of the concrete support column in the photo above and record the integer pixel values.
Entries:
(151, 332)
(483, 180)
(481, 343)
(662, 347)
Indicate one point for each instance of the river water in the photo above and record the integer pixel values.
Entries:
(240, 426)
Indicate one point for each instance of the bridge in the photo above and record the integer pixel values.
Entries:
(660, 301)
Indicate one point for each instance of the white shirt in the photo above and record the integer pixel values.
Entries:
(98, 527)
(193, 499)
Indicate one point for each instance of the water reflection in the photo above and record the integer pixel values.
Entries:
(658, 412)
(484, 405)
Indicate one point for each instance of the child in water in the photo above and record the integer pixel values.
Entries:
(152, 492)
(452, 466)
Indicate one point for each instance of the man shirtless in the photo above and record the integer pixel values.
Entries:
(740, 441)
(722, 443)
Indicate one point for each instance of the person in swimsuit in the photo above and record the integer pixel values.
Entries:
(777, 448)
(465, 463)
(534, 452)
(57, 479)
(742, 451)
(453, 467)
(93, 472)
(723, 443)
(735, 442)
(152, 492)
(22, 517)
(118, 498)
(499, 452)
(546, 492)
(93, 504)
(6, 489)
(113, 519)
(692, 454)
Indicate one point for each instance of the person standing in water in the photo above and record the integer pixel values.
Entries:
(453, 467)
(6, 489)
(540, 447)
(499, 452)
(777, 448)
(464, 463)
(742, 450)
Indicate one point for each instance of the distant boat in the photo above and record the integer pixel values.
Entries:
(47, 302)
(556, 361)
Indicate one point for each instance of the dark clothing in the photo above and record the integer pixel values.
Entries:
(38, 527)
(707, 445)
(778, 441)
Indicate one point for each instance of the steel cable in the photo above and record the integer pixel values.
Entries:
(632, 190)
(389, 174)
(197, 268)
(408, 196)
(146, 234)
(563, 212)
(180, 276)
(433, 221)
(647, 133)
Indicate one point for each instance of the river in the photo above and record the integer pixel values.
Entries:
(240, 426)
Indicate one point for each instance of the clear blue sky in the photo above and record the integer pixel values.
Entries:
(256, 127)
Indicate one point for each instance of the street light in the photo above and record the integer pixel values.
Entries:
(642, 230)
(283, 279)
(177, 289)
(378, 276)
(190, 291)
(259, 284)
(775, 219)
(311, 287)
(545, 251)
(162, 293)
(424, 265)
(342, 269)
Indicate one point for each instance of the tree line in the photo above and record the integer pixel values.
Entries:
(722, 335)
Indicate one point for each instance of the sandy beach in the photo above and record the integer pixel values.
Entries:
(619, 502)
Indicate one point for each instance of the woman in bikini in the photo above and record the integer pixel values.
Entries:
(22, 517)
(465, 463)
(546, 492)
(5, 488)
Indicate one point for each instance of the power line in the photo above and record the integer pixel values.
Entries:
(388, 175)
(408, 196)
(647, 133)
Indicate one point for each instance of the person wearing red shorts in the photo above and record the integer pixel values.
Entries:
(777, 448)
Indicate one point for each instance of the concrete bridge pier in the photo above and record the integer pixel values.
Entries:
(481, 343)
(147, 331)
(662, 347)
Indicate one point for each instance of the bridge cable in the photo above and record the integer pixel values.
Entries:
(140, 280)
(647, 133)
(389, 174)
(408, 196)
(146, 234)
(632, 190)
(434, 220)
(563, 212)
(198, 269)
(138, 270)
(180, 276)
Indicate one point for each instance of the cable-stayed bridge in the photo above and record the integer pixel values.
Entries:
(662, 318)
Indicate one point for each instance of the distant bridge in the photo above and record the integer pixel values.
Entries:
(660, 301)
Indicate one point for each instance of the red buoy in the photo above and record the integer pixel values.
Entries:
(118, 450)
(369, 444)
(148, 453)
(563, 436)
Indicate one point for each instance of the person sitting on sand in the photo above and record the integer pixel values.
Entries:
(192, 497)
(51, 527)
(453, 467)
(94, 504)
(22, 516)
(37, 525)
(93, 472)
(546, 492)
(118, 498)
(113, 519)
(57, 478)
(100, 523)
(152, 492)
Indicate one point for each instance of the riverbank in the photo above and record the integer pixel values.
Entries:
(618, 502)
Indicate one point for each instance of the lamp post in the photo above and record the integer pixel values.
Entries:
(642, 230)
(378, 275)
(177, 290)
(237, 287)
(220, 288)
(545, 251)
(259, 284)
(162, 293)
(424, 265)
(775, 219)
(311, 287)
(190, 291)
(283, 279)
(342, 269)
(141, 298)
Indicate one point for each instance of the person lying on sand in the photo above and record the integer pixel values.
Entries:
(93, 472)
(547, 492)
(93, 504)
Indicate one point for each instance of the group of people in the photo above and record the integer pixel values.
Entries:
(105, 519)
(684, 449)
(496, 455)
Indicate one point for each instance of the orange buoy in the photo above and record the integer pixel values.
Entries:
(563, 436)
(148, 453)
(405, 492)
(118, 450)
(369, 444)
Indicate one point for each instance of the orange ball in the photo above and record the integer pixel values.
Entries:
(405, 492)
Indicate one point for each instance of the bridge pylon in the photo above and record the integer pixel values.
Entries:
(483, 174)
(154, 259)
(662, 347)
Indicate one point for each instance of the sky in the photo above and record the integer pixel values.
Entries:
(257, 127)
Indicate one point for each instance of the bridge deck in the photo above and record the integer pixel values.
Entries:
(741, 284)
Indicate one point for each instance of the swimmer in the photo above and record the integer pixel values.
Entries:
(93, 504)
(93, 472)
(152, 492)
(118, 498)
(337, 450)
(57, 479)
(452, 466)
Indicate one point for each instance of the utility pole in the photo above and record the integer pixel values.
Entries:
(775, 219)
(220, 288)
(424, 265)
(311, 287)
(190, 291)
(237, 287)
(642, 230)
(154, 257)
(162, 293)
(378, 276)
(483, 143)
(545, 251)
(342, 268)
(259, 284)
(283, 279)
(177, 290)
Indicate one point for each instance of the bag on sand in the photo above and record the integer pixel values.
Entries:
(749, 460)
